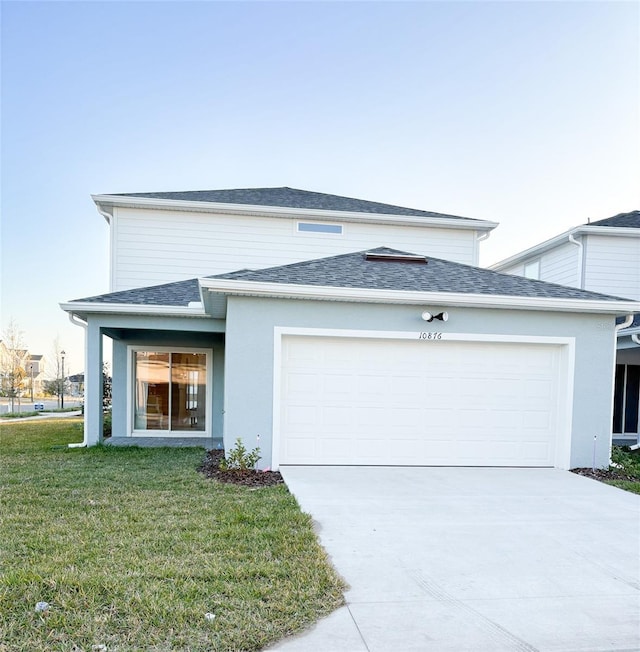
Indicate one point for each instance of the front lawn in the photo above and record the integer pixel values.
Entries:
(131, 548)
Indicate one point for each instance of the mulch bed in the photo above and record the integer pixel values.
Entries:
(210, 467)
(605, 475)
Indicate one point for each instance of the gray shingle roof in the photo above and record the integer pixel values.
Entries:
(289, 198)
(354, 271)
(179, 293)
(624, 220)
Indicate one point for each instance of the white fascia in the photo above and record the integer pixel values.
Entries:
(104, 202)
(585, 229)
(89, 307)
(362, 295)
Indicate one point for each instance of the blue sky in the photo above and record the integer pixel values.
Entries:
(525, 113)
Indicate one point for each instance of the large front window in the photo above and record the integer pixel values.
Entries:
(170, 390)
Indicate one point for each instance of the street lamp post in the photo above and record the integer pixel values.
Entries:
(31, 369)
(62, 354)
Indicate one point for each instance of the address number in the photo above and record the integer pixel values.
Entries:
(429, 335)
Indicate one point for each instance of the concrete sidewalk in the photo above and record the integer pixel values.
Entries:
(474, 559)
(43, 415)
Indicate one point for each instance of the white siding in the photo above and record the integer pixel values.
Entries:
(152, 247)
(516, 270)
(613, 265)
(560, 265)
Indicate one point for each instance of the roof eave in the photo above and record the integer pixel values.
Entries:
(105, 203)
(82, 308)
(366, 295)
(584, 229)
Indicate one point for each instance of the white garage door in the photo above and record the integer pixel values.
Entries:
(408, 402)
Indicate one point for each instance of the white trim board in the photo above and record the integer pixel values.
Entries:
(412, 297)
(105, 202)
(566, 373)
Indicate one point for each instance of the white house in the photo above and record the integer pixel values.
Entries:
(602, 256)
(331, 330)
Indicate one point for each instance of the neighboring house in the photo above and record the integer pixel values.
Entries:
(75, 385)
(602, 256)
(35, 368)
(29, 367)
(297, 321)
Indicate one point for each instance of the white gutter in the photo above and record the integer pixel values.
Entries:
(364, 295)
(285, 212)
(559, 239)
(580, 246)
(635, 338)
(194, 309)
(76, 321)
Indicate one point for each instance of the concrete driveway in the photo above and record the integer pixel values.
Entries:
(474, 559)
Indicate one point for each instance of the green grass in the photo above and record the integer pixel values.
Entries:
(627, 485)
(628, 462)
(131, 547)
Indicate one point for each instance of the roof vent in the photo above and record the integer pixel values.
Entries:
(395, 258)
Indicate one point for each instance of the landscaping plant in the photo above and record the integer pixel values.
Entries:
(239, 458)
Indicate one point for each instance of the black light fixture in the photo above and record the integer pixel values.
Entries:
(442, 316)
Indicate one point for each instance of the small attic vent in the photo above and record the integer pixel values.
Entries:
(395, 258)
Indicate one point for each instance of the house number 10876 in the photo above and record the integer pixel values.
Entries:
(430, 336)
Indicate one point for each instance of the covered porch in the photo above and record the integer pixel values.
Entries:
(167, 380)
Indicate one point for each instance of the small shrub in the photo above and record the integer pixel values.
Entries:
(624, 459)
(239, 458)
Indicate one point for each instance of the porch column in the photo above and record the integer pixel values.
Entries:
(93, 384)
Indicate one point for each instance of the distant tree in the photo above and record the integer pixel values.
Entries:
(13, 355)
(56, 384)
(51, 387)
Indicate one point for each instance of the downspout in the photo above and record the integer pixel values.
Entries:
(628, 320)
(635, 338)
(76, 321)
(110, 220)
(580, 246)
(625, 324)
(480, 238)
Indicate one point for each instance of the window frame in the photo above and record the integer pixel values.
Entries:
(131, 373)
(532, 263)
(319, 232)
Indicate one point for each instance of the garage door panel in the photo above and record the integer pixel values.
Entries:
(301, 415)
(384, 401)
(301, 384)
(539, 388)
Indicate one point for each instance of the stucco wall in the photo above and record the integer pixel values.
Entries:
(250, 341)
